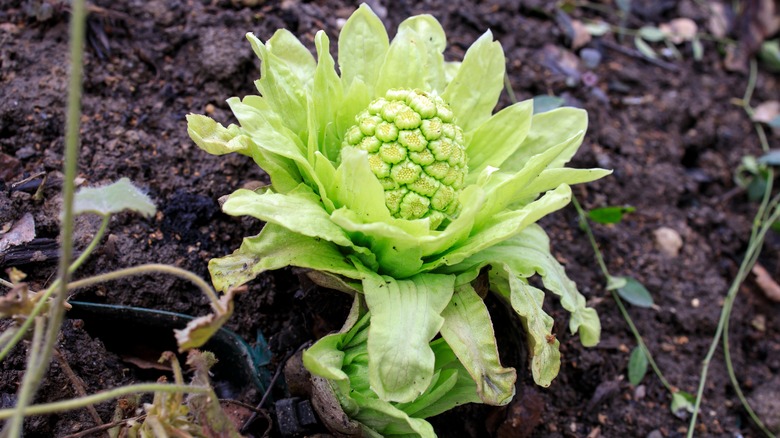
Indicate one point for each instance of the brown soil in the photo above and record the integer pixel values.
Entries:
(673, 135)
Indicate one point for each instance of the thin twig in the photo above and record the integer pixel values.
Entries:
(102, 427)
(636, 54)
(78, 384)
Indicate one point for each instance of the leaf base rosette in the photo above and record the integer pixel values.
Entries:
(356, 198)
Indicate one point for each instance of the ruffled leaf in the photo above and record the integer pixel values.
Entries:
(280, 84)
(527, 301)
(328, 94)
(288, 48)
(113, 198)
(363, 44)
(274, 248)
(468, 330)
(503, 226)
(299, 211)
(474, 91)
(405, 316)
(548, 130)
(499, 137)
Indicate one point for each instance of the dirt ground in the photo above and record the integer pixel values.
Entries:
(671, 131)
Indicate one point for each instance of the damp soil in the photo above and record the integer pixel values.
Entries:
(671, 131)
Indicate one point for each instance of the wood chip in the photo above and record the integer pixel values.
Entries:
(767, 284)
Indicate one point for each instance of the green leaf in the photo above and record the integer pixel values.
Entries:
(770, 54)
(363, 44)
(528, 253)
(616, 282)
(644, 48)
(544, 103)
(469, 332)
(406, 62)
(405, 316)
(635, 293)
(502, 227)
(274, 248)
(214, 138)
(434, 41)
(548, 130)
(499, 137)
(280, 84)
(651, 33)
(474, 91)
(292, 52)
(328, 93)
(113, 198)
(609, 215)
(637, 366)
(299, 211)
(683, 403)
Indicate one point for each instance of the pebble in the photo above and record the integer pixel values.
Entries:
(640, 392)
(655, 434)
(669, 241)
(591, 58)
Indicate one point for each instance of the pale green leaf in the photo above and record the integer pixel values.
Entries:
(356, 187)
(299, 211)
(389, 421)
(363, 44)
(113, 198)
(548, 130)
(552, 178)
(405, 316)
(527, 301)
(327, 96)
(528, 253)
(274, 248)
(326, 357)
(294, 54)
(499, 137)
(214, 138)
(644, 48)
(468, 330)
(434, 41)
(474, 91)
(405, 63)
(651, 33)
(683, 404)
(503, 226)
(597, 28)
(503, 189)
(637, 366)
(280, 84)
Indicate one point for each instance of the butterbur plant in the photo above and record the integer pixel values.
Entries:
(391, 178)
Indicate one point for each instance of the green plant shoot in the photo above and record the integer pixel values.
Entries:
(393, 179)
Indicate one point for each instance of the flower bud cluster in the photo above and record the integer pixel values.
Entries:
(416, 151)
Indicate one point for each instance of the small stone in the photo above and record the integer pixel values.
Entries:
(655, 434)
(640, 392)
(591, 58)
(668, 241)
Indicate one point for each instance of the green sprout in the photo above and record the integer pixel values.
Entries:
(394, 181)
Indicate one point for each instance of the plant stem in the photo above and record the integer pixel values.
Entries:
(149, 269)
(45, 295)
(38, 360)
(768, 212)
(77, 403)
(623, 311)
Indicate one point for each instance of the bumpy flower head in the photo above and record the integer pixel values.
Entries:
(415, 150)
